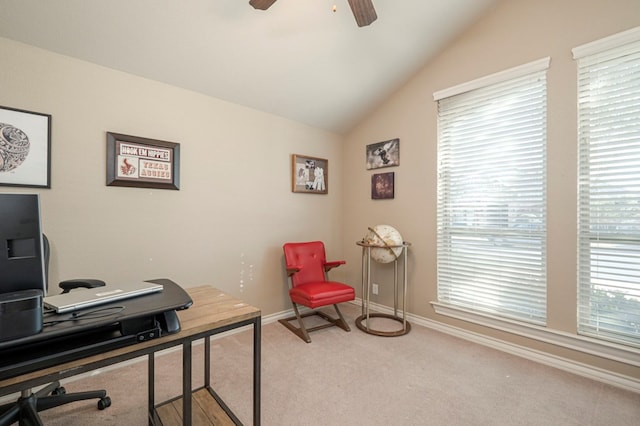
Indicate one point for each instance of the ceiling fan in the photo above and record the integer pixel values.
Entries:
(363, 10)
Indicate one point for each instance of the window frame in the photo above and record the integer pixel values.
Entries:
(534, 70)
(598, 280)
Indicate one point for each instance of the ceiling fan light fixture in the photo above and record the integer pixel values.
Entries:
(363, 10)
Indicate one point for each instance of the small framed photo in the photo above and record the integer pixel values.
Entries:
(383, 154)
(25, 148)
(382, 186)
(309, 174)
(140, 162)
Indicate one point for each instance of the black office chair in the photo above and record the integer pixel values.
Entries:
(25, 409)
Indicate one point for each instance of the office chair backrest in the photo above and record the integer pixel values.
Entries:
(47, 252)
(310, 258)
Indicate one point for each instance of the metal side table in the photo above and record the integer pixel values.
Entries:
(366, 292)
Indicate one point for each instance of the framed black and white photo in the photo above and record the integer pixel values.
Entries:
(309, 174)
(25, 148)
(383, 154)
(141, 162)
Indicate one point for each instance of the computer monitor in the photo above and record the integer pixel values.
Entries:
(21, 247)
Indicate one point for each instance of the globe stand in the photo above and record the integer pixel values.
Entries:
(366, 285)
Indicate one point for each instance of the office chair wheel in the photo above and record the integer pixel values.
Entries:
(104, 403)
(60, 390)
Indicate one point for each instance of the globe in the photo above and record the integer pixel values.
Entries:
(383, 236)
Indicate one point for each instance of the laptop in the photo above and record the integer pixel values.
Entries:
(86, 298)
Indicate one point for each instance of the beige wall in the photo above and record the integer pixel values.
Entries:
(233, 211)
(514, 32)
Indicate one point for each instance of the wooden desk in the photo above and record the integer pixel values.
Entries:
(212, 312)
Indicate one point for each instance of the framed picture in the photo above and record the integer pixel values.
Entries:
(141, 162)
(382, 186)
(383, 154)
(309, 174)
(25, 148)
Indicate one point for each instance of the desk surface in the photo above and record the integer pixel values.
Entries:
(211, 309)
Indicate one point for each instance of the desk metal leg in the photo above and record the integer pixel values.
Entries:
(152, 385)
(186, 384)
(257, 327)
(207, 362)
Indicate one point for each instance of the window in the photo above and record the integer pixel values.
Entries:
(609, 188)
(492, 194)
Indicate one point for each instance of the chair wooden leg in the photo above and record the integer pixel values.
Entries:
(341, 322)
(299, 331)
(302, 332)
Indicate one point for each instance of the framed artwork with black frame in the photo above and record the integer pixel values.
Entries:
(382, 186)
(141, 162)
(309, 174)
(25, 148)
(383, 154)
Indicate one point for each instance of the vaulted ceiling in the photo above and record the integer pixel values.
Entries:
(299, 59)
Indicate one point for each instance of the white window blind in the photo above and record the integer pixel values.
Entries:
(609, 190)
(492, 197)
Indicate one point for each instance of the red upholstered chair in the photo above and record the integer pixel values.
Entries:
(307, 266)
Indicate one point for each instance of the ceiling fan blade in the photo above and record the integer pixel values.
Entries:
(261, 4)
(363, 11)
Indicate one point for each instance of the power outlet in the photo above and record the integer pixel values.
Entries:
(374, 288)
